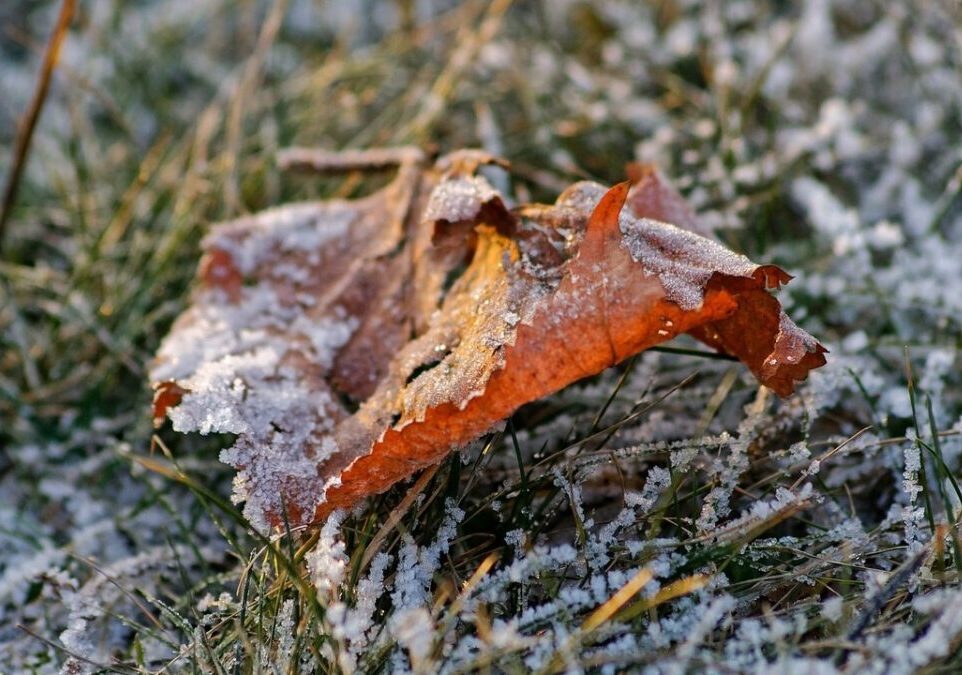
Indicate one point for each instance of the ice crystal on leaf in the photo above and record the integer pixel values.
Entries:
(683, 261)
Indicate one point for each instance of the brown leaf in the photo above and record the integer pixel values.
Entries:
(350, 343)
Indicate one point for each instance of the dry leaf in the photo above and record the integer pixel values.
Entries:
(350, 343)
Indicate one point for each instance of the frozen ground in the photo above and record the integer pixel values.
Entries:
(817, 534)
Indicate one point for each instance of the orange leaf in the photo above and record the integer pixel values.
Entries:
(350, 343)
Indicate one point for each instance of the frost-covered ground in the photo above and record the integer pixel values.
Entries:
(814, 534)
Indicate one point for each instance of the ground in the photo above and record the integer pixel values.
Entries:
(666, 516)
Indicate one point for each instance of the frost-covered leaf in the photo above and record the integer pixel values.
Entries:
(350, 343)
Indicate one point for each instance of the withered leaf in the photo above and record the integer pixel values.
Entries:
(348, 343)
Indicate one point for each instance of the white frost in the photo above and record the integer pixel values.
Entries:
(683, 261)
(459, 198)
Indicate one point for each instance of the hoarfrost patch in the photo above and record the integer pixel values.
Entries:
(683, 261)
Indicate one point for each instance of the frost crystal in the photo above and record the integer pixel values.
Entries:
(832, 608)
(414, 631)
(286, 634)
(257, 239)
(459, 198)
(682, 260)
(328, 560)
(76, 638)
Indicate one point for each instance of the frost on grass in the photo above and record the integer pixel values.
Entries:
(328, 561)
